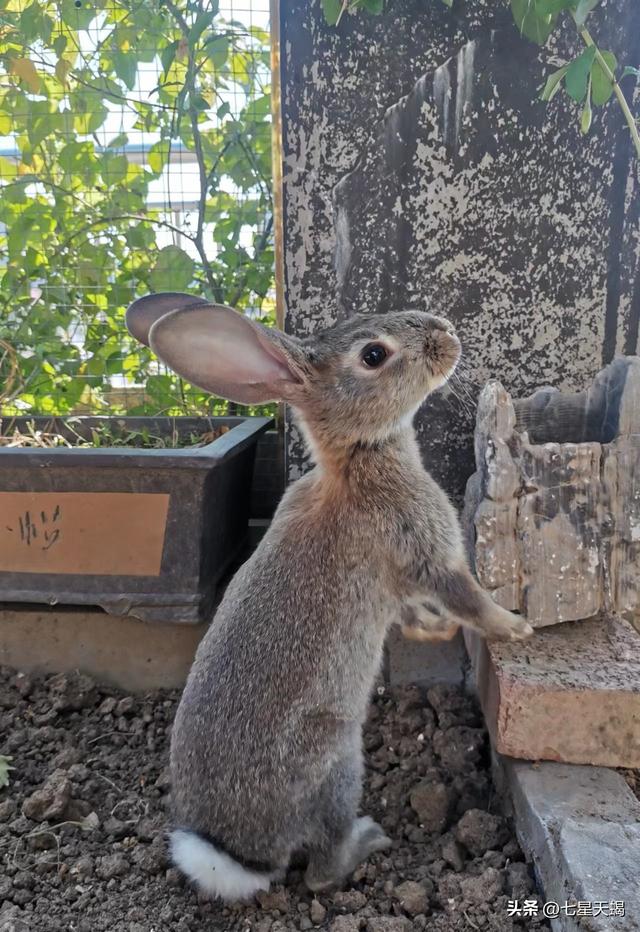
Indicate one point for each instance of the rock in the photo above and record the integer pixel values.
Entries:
(78, 810)
(482, 889)
(107, 706)
(66, 758)
(559, 557)
(84, 866)
(275, 899)
(50, 801)
(317, 912)
(519, 883)
(459, 748)
(389, 924)
(71, 691)
(349, 900)
(431, 801)
(8, 809)
(125, 706)
(345, 924)
(23, 683)
(116, 828)
(412, 897)
(148, 829)
(453, 854)
(448, 889)
(173, 877)
(150, 858)
(112, 865)
(479, 831)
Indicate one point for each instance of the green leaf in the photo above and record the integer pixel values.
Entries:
(629, 70)
(158, 156)
(578, 74)
(35, 24)
(377, 6)
(118, 142)
(126, 67)
(8, 169)
(553, 6)
(5, 767)
(331, 10)
(601, 85)
(534, 25)
(89, 112)
(218, 48)
(113, 168)
(585, 119)
(448, 3)
(583, 9)
(553, 83)
(173, 270)
(201, 23)
(168, 54)
(78, 17)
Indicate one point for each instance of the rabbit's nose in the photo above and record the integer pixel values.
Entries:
(439, 323)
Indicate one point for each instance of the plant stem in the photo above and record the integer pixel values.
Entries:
(585, 35)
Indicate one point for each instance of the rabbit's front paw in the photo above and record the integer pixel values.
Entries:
(505, 626)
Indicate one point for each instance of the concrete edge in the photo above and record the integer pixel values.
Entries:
(580, 826)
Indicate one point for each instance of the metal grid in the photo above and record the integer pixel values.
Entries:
(135, 143)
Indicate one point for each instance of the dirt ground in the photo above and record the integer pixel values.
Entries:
(82, 822)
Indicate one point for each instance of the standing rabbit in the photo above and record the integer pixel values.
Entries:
(266, 755)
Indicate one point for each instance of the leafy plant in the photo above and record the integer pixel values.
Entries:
(590, 79)
(102, 98)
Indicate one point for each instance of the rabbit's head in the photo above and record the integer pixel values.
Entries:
(356, 382)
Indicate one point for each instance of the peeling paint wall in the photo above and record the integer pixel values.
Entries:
(420, 170)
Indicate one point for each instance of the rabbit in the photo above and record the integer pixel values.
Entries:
(266, 757)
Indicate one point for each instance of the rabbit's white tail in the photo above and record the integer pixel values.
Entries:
(214, 871)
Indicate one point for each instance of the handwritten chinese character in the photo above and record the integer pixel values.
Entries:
(39, 529)
(28, 531)
(50, 536)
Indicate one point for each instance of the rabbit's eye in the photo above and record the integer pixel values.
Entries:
(374, 355)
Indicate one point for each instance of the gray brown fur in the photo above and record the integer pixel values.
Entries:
(266, 748)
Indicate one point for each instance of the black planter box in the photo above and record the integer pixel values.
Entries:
(142, 532)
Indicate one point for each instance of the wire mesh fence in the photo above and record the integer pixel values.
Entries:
(135, 156)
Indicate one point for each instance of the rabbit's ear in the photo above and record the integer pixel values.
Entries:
(228, 355)
(143, 313)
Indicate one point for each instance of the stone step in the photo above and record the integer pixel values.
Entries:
(571, 693)
(581, 828)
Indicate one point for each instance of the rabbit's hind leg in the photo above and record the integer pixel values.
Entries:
(341, 840)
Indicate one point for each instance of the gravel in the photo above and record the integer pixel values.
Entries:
(83, 820)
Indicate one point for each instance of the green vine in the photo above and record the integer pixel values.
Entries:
(590, 79)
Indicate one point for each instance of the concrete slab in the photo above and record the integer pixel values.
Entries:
(133, 655)
(581, 827)
(427, 663)
(570, 694)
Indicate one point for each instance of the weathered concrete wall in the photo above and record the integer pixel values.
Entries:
(421, 170)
